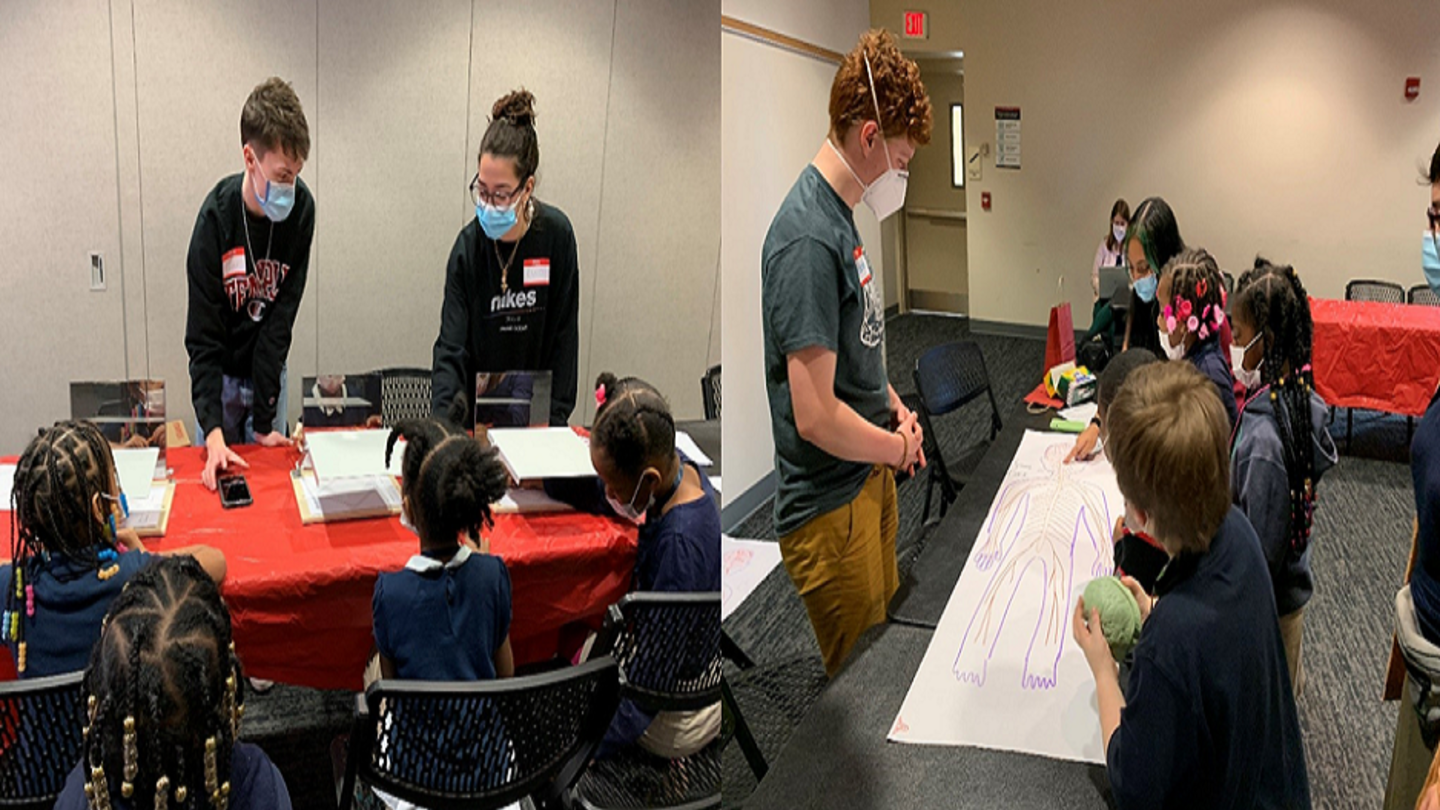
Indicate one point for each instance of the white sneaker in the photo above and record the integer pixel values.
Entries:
(260, 686)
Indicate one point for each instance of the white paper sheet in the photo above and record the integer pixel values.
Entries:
(145, 513)
(7, 482)
(136, 469)
(1002, 670)
(530, 501)
(343, 496)
(347, 453)
(535, 453)
(1083, 412)
(745, 563)
(685, 444)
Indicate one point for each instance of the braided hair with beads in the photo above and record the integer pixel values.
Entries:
(165, 693)
(1197, 294)
(1272, 298)
(61, 473)
(449, 479)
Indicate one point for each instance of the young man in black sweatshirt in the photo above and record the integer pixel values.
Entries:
(248, 258)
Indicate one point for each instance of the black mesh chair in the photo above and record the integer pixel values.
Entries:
(482, 744)
(1422, 295)
(710, 392)
(404, 394)
(947, 378)
(42, 722)
(668, 648)
(1387, 292)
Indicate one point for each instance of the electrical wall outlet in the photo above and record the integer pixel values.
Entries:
(97, 271)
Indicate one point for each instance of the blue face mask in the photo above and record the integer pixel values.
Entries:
(1430, 261)
(278, 199)
(495, 221)
(1145, 288)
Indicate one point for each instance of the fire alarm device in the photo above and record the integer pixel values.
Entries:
(985, 200)
(1412, 88)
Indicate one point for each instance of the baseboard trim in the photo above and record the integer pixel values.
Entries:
(1018, 330)
(748, 502)
(891, 311)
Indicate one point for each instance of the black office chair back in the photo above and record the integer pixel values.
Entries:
(485, 744)
(667, 646)
(404, 394)
(949, 376)
(710, 391)
(42, 724)
(1387, 292)
(1422, 295)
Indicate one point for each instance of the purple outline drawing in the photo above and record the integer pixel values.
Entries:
(1044, 512)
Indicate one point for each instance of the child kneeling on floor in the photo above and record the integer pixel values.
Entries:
(1209, 719)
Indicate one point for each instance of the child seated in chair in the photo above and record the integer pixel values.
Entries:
(446, 615)
(645, 480)
(165, 696)
(71, 550)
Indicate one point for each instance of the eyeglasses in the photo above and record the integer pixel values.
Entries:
(499, 199)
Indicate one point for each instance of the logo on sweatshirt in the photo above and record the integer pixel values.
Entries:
(512, 299)
(252, 292)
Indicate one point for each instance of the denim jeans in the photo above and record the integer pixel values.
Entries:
(237, 397)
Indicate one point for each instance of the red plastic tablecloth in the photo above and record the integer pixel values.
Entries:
(1381, 357)
(299, 596)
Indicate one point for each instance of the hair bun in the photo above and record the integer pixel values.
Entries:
(517, 107)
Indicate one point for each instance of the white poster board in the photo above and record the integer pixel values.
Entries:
(744, 565)
(1002, 670)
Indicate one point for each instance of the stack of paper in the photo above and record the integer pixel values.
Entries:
(685, 444)
(537, 453)
(528, 502)
(350, 478)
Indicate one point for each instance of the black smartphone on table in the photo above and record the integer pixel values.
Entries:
(234, 491)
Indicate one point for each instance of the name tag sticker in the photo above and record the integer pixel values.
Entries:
(537, 272)
(862, 266)
(232, 264)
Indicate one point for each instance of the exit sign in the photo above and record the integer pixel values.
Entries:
(917, 25)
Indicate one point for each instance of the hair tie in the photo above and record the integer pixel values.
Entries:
(1201, 287)
(599, 395)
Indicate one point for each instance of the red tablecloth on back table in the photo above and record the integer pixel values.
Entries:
(1382, 357)
(299, 596)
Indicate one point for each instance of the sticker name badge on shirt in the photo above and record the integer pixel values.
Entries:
(537, 272)
(862, 266)
(232, 264)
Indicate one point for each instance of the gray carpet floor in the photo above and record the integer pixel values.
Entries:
(1361, 536)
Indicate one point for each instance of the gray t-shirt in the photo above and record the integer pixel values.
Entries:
(818, 290)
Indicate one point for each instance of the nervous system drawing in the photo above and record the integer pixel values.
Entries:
(1044, 511)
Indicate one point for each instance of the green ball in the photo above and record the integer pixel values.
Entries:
(1119, 613)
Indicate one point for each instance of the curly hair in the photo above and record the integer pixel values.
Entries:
(1197, 294)
(904, 104)
(511, 133)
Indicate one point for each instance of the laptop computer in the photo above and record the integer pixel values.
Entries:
(1114, 282)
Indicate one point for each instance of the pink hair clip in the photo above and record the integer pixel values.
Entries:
(1201, 287)
(1170, 324)
(1185, 308)
(599, 396)
(1169, 311)
(1192, 324)
(1204, 332)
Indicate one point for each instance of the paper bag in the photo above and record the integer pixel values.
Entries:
(1060, 340)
